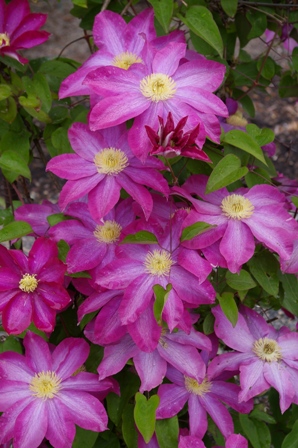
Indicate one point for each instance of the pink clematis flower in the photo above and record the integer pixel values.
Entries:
(139, 267)
(161, 85)
(19, 28)
(102, 165)
(203, 397)
(91, 243)
(36, 215)
(45, 394)
(240, 217)
(31, 289)
(265, 357)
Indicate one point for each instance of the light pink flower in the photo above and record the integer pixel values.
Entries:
(19, 28)
(45, 394)
(31, 289)
(161, 85)
(240, 217)
(265, 357)
(102, 165)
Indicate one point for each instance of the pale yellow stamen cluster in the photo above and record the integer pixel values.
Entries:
(196, 388)
(158, 87)
(45, 385)
(126, 59)
(108, 233)
(4, 40)
(236, 206)
(28, 283)
(267, 350)
(158, 262)
(110, 161)
(237, 119)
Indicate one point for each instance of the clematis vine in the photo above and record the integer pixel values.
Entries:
(45, 394)
(19, 28)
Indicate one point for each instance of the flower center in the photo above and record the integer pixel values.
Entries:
(108, 233)
(110, 161)
(4, 40)
(126, 59)
(236, 206)
(28, 283)
(45, 385)
(267, 349)
(194, 387)
(158, 87)
(237, 119)
(158, 262)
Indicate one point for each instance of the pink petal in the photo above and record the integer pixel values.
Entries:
(61, 429)
(277, 376)
(151, 368)
(38, 355)
(252, 380)
(104, 197)
(172, 400)
(69, 356)
(219, 414)
(31, 425)
(17, 314)
(197, 417)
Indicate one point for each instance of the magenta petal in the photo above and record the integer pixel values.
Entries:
(252, 380)
(197, 417)
(75, 189)
(38, 355)
(139, 193)
(44, 318)
(71, 167)
(104, 197)
(145, 331)
(85, 254)
(17, 314)
(237, 245)
(172, 400)
(116, 356)
(136, 298)
(288, 344)
(167, 60)
(120, 273)
(219, 414)
(31, 425)
(236, 441)
(69, 356)
(85, 410)
(278, 376)
(173, 310)
(8, 419)
(43, 251)
(14, 366)
(151, 368)
(107, 327)
(85, 142)
(194, 263)
(117, 109)
(11, 392)
(61, 429)
(54, 295)
(15, 12)
(228, 393)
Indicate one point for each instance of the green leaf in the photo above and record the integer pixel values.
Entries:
(107, 439)
(261, 136)
(129, 431)
(201, 46)
(229, 7)
(144, 414)
(60, 141)
(14, 165)
(258, 21)
(161, 296)
(250, 430)
(245, 142)
(262, 416)
(8, 110)
(55, 218)
(14, 230)
(290, 440)
(268, 67)
(5, 91)
(290, 286)
(208, 324)
(294, 199)
(263, 433)
(227, 171)
(200, 21)
(241, 282)
(84, 438)
(288, 86)
(228, 306)
(142, 237)
(167, 432)
(264, 268)
(195, 229)
(10, 344)
(58, 114)
(163, 10)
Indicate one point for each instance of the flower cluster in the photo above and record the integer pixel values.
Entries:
(145, 250)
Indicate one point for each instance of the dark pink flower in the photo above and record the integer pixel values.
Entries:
(31, 288)
(19, 28)
(170, 141)
(45, 394)
(36, 215)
